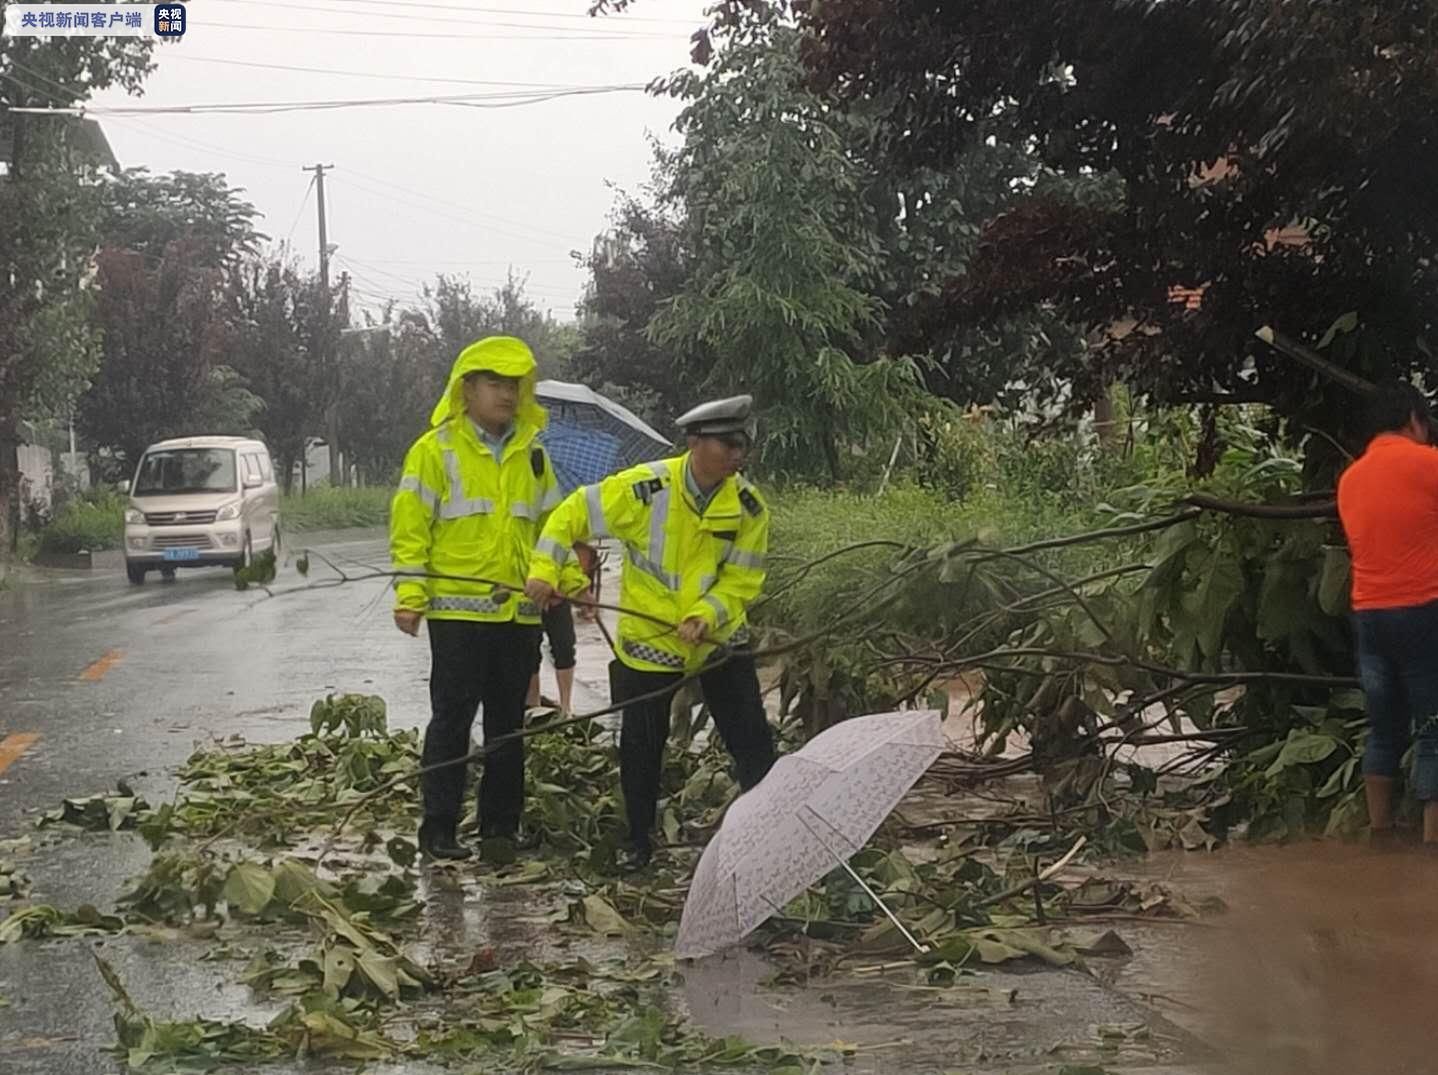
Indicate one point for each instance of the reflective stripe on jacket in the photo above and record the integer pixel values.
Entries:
(459, 513)
(678, 563)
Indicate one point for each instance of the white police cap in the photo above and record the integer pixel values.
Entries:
(720, 416)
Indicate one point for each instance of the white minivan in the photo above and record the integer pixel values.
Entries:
(201, 502)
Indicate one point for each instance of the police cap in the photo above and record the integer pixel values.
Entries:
(720, 416)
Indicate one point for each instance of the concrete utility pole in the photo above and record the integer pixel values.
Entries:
(332, 421)
(319, 170)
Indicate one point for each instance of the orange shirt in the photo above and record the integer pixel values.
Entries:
(1388, 503)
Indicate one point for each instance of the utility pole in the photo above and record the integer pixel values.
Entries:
(319, 170)
(332, 421)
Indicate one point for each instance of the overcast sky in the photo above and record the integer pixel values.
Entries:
(427, 187)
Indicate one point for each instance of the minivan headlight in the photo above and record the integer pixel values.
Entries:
(134, 516)
(228, 512)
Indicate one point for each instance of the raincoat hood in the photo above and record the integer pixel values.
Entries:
(506, 356)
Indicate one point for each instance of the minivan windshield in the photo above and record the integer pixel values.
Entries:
(186, 470)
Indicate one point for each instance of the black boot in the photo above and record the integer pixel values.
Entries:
(439, 842)
(523, 839)
(635, 858)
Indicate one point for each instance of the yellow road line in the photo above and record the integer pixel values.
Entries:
(13, 746)
(96, 671)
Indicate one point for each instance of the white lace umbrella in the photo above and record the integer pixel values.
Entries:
(815, 808)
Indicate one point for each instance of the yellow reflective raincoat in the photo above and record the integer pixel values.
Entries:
(679, 562)
(459, 512)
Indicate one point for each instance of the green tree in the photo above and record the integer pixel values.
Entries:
(392, 370)
(1269, 158)
(48, 221)
(165, 332)
(455, 317)
(926, 221)
(391, 383)
(170, 243)
(635, 266)
(146, 213)
(780, 299)
(278, 323)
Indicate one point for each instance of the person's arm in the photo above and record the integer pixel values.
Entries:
(741, 576)
(412, 514)
(605, 509)
(571, 579)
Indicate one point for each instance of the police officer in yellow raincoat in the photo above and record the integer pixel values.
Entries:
(474, 493)
(695, 533)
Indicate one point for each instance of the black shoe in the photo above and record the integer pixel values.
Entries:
(442, 846)
(522, 839)
(635, 858)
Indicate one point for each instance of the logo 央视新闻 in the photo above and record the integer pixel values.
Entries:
(170, 20)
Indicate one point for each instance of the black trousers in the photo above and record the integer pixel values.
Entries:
(732, 692)
(476, 664)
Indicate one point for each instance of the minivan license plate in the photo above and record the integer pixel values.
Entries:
(182, 554)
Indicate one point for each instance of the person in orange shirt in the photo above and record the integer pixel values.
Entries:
(1388, 504)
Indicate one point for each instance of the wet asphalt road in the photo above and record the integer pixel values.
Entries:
(102, 681)
(116, 679)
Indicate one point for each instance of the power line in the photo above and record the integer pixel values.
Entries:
(465, 263)
(472, 100)
(511, 11)
(365, 182)
(415, 282)
(177, 55)
(194, 143)
(466, 210)
(303, 202)
(69, 92)
(502, 229)
(563, 36)
(602, 32)
(355, 263)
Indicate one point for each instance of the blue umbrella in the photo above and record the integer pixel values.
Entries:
(590, 437)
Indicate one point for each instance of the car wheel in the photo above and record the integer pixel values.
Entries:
(135, 573)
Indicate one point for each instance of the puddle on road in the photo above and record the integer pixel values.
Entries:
(1322, 965)
(1319, 967)
(994, 1018)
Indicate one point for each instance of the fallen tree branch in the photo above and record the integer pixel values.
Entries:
(1314, 361)
(1064, 587)
(1110, 532)
(803, 572)
(1226, 678)
(1037, 879)
(1326, 509)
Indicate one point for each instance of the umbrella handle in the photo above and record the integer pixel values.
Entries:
(920, 948)
(844, 862)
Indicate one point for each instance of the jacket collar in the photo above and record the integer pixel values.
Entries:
(723, 504)
(520, 438)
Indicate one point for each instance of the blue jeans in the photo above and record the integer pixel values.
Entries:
(1398, 667)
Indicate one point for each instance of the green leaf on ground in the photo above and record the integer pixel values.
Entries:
(249, 888)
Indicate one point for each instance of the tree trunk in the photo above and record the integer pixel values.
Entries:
(332, 434)
(1103, 420)
(286, 466)
(9, 482)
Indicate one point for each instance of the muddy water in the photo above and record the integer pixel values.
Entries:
(1325, 963)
